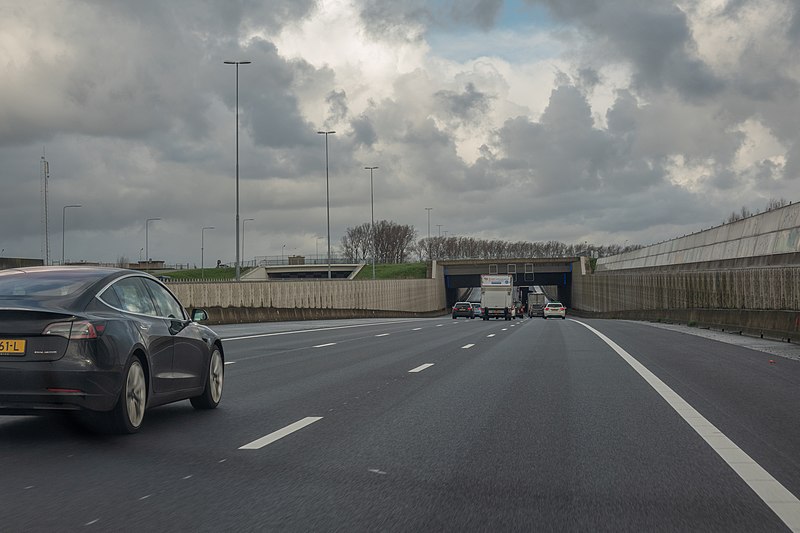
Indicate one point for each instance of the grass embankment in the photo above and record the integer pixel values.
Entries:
(395, 271)
(216, 274)
(387, 271)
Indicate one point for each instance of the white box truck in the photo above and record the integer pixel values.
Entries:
(497, 296)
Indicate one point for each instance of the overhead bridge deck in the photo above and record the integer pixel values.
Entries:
(527, 272)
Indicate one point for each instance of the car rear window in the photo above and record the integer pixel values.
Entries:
(17, 284)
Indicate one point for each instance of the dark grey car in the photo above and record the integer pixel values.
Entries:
(106, 343)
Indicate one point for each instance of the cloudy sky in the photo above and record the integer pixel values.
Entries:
(574, 120)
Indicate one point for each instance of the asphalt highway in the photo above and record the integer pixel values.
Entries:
(436, 425)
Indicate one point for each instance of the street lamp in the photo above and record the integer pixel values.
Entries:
(327, 196)
(146, 238)
(243, 224)
(237, 63)
(282, 249)
(63, 226)
(141, 250)
(428, 209)
(202, 248)
(372, 205)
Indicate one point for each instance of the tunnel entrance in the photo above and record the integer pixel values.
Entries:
(555, 274)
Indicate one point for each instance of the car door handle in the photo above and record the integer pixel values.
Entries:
(144, 327)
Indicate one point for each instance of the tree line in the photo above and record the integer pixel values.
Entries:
(397, 243)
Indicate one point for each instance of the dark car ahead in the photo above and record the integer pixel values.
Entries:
(463, 309)
(106, 343)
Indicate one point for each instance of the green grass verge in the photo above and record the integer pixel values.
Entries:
(388, 271)
(395, 271)
(213, 273)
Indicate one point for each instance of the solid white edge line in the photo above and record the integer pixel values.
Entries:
(230, 363)
(277, 435)
(782, 502)
(324, 345)
(420, 368)
(467, 346)
(296, 331)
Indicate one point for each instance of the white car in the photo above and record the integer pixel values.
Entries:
(555, 309)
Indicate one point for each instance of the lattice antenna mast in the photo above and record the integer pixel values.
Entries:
(44, 169)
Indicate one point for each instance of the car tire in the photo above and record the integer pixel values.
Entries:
(454, 317)
(563, 318)
(127, 415)
(212, 394)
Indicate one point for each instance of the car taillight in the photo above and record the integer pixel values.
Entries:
(79, 329)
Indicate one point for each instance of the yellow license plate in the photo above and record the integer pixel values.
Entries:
(12, 347)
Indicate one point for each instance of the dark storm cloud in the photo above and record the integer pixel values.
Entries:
(389, 18)
(466, 106)
(482, 13)
(654, 36)
(363, 131)
(266, 96)
(393, 20)
(337, 106)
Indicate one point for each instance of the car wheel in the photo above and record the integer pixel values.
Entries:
(128, 414)
(563, 318)
(216, 376)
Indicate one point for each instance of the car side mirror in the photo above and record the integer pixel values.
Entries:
(198, 315)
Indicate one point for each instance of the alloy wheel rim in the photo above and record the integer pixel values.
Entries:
(135, 394)
(216, 376)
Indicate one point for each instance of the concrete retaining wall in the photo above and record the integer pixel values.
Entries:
(761, 301)
(255, 301)
(773, 233)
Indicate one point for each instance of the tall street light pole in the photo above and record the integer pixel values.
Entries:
(243, 225)
(372, 206)
(237, 63)
(428, 209)
(202, 249)
(63, 226)
(146, 238)
(327, 196)
(440, 229)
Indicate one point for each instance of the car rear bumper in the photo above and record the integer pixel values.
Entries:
(33, 388)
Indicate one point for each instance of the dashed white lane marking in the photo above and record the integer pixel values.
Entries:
(145, 497)
(382, 335)
(296, 331)
(467, 346)
(277, 435)
(187, 477)
(324, 345)
(230, 363)
(490, 335)
(504, 329)
(420, 368)
(439, 325)
(96, 520)
(782, 502)
(376, 471)
(416, 329)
